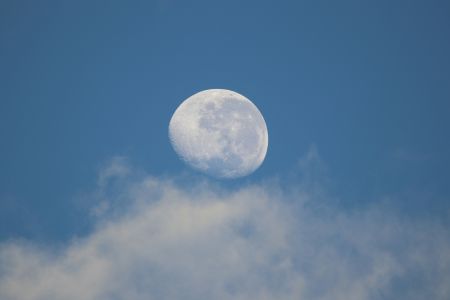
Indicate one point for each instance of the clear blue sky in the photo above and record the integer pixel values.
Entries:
(366, 82)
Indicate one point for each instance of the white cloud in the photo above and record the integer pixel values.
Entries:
(157, 240)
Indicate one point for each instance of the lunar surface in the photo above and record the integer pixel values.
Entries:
(219, 132)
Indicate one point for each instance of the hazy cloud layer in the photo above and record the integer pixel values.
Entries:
(158, 240)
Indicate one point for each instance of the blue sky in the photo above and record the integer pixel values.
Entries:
(364, 84)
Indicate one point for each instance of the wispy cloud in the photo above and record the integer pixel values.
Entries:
(257, 242)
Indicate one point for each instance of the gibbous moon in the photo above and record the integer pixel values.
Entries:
(219, 132)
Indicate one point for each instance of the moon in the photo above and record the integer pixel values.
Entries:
(220, 133)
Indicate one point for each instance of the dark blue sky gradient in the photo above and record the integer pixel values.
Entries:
(366, 82)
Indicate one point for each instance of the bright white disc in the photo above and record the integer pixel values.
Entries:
(219, 132)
